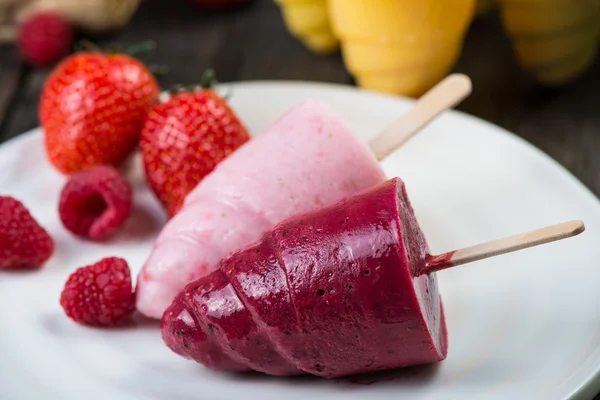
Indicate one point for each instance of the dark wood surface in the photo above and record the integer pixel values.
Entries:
(251, 43)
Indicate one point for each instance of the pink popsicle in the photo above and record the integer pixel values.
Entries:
(332, 292)
(308, 158)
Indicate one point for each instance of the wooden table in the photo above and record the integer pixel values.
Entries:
(251, 43)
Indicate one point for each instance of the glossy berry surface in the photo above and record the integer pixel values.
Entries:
(23, 242)
(100, 294)
(95, 203)
(184, 139)
(92, 109)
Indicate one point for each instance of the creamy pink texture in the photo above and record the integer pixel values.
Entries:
(308, 158)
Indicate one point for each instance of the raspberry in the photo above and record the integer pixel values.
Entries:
(100, 294)
(44, 38)
(23, 242)
(95, 203)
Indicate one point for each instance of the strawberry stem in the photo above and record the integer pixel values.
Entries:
(141, 49)
(159, 70)
(207, 82)
(114, 49)
(209, 79)
(88, 45)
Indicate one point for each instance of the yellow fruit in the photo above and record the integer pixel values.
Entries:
(567, 69)
(554, 39)
(401, 47)
(308, 21)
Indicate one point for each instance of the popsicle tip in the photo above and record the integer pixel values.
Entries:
(461, 82)
(446, 94)
(577, 227)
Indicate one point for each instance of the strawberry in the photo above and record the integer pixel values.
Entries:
(44, 38)
(23, 242)
(92, 109)
(184, 139)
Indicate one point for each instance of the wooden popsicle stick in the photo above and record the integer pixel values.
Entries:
(446, 94)
(502, 246)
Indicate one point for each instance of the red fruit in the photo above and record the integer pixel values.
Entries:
(92, 109)
(23, 242)
(95, 203)
(100, 294)
(184, 139)
(44, 38)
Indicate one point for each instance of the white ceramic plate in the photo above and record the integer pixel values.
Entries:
(521, 326)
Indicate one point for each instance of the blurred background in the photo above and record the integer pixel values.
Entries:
(532, 63)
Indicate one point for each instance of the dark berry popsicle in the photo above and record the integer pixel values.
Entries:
(334, 292)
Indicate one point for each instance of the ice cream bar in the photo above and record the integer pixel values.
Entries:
(307, 159)
(333, 292)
